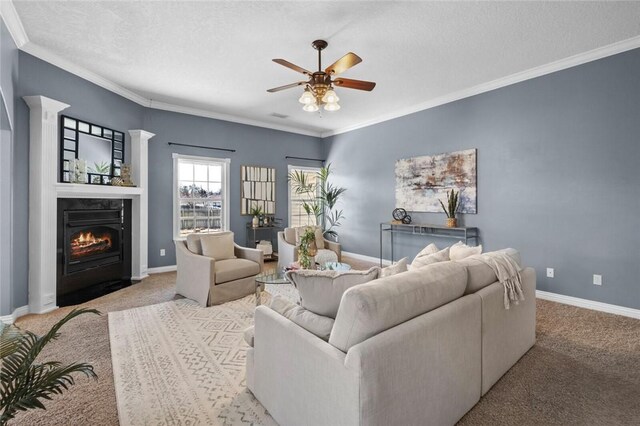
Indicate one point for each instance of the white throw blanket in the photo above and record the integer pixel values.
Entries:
(508, 272)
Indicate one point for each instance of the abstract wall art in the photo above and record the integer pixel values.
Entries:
(422, 181)
(258, 189)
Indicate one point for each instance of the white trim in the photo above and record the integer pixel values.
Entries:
(226, 191)
(376, 260)
(571, 61)
(6, 107)
(17, 313)
(162, 269)
(589, 304)
(13, 22)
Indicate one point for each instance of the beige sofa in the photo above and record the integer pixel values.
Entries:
(210, 281)
(416, 348)
(288, 250)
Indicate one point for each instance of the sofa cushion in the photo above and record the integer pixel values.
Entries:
(315, 324)
(372, 308)
(459, 251)
(397, 268)
(193, 244)
(422, 261)
(321, 291)
(218, 246)
(249, 335)
(430, 249)
(234, 269)
(479, 274)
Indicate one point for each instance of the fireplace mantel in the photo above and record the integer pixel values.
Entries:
(45, 190)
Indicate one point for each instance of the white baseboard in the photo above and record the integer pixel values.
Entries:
(161, 269)
(17, 313)
(589, 304)
(376, 260)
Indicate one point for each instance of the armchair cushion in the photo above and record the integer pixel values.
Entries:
(218, 246)
(290, 235)
(193, 244)
(234, 269)
(321, 291)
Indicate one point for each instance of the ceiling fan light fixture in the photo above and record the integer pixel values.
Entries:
(310, 107)
(330, 97)
(307, 97)
(331, 106)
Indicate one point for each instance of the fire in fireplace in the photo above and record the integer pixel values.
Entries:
(86, 244)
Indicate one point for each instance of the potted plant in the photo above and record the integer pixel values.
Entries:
(321, 199)
(453, 202)
(307, 248)
(25, 384)
(256, 212)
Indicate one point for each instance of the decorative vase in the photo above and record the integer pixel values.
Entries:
(452, 222)
(255, 222)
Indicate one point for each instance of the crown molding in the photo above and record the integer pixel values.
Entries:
(13, 23)
(571, 61)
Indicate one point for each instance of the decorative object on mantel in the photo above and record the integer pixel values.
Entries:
(422, 181)
(258, 189)
(25, 384)
(452, 208)
(400, 216)
(125, 177)
(77, 171)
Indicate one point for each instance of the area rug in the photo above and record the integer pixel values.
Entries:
(177, 363)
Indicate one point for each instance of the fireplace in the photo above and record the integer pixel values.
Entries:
(94, 248)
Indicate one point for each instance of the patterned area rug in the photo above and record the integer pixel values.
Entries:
(177, 363)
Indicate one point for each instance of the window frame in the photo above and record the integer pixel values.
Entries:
(290, 168)
(225, 190)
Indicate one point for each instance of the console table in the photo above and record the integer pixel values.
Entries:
(428, 230)
(261, 230)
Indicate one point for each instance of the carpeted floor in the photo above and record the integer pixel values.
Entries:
(584, 369)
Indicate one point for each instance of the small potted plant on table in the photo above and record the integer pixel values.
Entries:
(453, 202)
(256, 212)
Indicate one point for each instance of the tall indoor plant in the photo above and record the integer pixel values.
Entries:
(320, 198)
(24, 384)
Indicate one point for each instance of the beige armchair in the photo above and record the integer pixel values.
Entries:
(211, 281)
(288, 250)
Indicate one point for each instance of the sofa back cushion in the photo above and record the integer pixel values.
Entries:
(218, 245)
(372, 308)
(479, 274)
(321, 291)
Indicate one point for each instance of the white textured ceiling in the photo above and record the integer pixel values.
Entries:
(217, 55)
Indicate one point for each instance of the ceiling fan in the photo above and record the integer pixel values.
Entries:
(319, 88)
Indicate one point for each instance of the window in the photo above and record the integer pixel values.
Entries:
(297, 214)
(200, 201)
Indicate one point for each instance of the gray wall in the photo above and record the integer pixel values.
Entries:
(8, 80)
(253, 145)
(558, 175)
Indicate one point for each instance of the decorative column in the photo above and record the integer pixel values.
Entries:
(43, 150)
(140, 205)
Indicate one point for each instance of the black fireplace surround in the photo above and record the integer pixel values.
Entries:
(94, 248)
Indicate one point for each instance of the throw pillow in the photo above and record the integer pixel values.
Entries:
(193, 244)
(459, 251)
(319, 238)
(315, 324)
(430, 249)
(218, 246)
(321, 291)
(441, 256)
(397, 268)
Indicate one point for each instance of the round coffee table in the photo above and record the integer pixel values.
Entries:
(265, 278)
(337, 266)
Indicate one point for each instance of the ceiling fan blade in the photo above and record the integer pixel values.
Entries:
(292, 66)
(288, 86)
(343, 64)
(354, 84)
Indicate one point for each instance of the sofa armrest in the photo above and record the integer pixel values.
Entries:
(195, 274)
(334, 247)
(297, 375)
(254, 255)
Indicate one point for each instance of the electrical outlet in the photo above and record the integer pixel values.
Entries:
(597, 279)
(550, 272)
(162, 252)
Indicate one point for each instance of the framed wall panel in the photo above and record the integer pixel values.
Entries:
(257, 189)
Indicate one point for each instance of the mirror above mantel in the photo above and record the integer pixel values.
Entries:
(100, 147)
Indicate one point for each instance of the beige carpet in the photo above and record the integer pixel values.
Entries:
(584, 369)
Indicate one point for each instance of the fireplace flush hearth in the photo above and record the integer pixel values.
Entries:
(94, 248)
